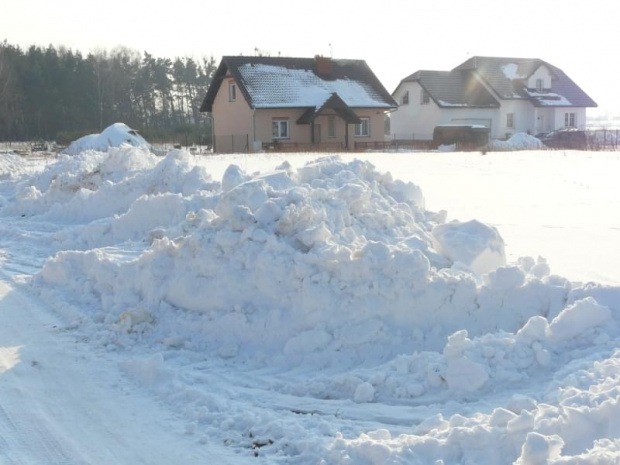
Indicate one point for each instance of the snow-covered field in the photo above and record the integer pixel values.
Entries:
(297, 308)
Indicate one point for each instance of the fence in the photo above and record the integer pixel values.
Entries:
(233, 143)
(603, 139)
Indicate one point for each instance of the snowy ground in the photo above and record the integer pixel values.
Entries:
(180, 310)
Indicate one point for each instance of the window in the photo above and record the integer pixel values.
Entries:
(510, 120)
(331, 126)
(232, 92)
(424, 97)
(569, 120)
(363, 129)
(279, 129)
(405, 99)
(540, 85)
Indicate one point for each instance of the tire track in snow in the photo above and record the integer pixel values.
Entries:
(63, 404)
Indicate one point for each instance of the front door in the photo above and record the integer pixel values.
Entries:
(541, 124)
(317, 134)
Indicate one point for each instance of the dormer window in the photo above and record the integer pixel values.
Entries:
(405, 99)
(232, 92)
(540, 85)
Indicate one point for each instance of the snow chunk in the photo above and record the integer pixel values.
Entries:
(539, 449)
(465, 375)
(477, 245)
(364, 393)
(577, 318)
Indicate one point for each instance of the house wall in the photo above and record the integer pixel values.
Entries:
(377, 126)
(301, 133)
(545, 120)
(232, 121)
(524, 119)
(413, 120)
(322, 121)
(580, 117)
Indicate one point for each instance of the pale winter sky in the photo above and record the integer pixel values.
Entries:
(395, 37)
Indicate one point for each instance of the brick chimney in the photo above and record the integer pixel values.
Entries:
(323, 66)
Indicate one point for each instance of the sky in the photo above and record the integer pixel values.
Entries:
(395, 37)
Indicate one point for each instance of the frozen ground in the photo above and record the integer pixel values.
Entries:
(183, 310)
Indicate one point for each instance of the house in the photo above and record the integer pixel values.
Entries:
(295, 103)
(506, 95)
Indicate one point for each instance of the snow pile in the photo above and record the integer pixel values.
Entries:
(349, 324)
(113, 136)
(12, 166)
(574, 421)
(97, 185)
(519, 141)
(331, 258)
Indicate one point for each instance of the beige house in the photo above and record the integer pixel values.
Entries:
(296, 104)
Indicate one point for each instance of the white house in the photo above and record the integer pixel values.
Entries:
(507, 95)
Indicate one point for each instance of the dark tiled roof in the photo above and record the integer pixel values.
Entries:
(508, 76)
(454, 89)
(276, 82)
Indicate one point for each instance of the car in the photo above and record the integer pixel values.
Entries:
(568, 138)
(465, 136)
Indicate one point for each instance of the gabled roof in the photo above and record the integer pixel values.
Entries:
(276, 82)
(336, 104)
(454, 90)
(508, 79)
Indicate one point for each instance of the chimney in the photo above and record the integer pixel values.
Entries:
(323, 66)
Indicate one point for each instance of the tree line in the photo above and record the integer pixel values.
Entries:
(59, 94)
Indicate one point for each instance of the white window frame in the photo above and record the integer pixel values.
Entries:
(276, 129)
(510, 120)
(331, 127)
(570, 120)
(363, 129)
(405, 99)
(232, 91)
(540, 85)
(425, 97)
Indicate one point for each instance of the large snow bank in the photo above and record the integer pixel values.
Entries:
(112, 136)
(519, 141)
(331, 258)
(337, 271)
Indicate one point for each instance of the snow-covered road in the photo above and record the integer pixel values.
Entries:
(61, 403)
